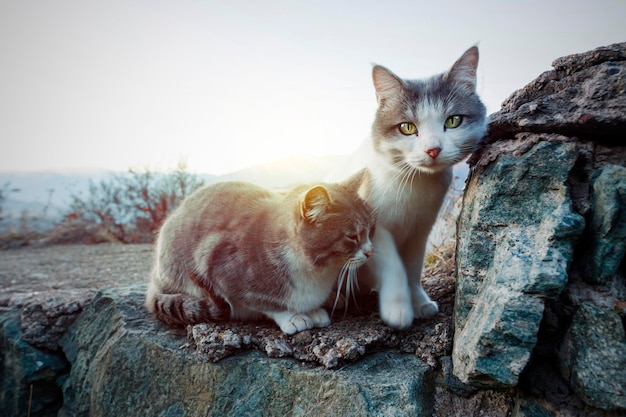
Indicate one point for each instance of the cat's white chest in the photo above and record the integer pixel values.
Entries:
(310, 287)
(309, 292)
(406, 208)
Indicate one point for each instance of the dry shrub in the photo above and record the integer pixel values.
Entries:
(126, 208)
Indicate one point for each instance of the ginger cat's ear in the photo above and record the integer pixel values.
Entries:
(315, 203)
(360, 183)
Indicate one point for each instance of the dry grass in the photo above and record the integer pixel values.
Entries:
(441, 258)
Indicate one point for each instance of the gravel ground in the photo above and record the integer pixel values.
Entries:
(34, 270)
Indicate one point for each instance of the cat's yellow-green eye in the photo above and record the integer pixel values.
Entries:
(453, 122)
(408, 128)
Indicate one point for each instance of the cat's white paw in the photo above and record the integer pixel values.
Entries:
(320, 317)
(426, 310)
(398, 315)
(291, 323)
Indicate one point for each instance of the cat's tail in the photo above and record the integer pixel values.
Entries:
(184, 309)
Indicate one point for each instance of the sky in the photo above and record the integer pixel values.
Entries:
(121, 84)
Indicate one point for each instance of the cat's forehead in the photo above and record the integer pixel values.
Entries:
(433, 98)
(433, 89)
(349, 205)
(424, 109)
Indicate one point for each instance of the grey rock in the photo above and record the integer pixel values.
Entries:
(608, 225)
(516, 235)
(583, 96)
(484, 403)
(124, 362)
(44, 318)
(454, 384)
(526, 408)
(344, 342)
(593, 357)
(23, 367)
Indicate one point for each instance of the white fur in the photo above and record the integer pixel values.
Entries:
(406, 208)
(310, 291)
(291, 323)
(407, 201)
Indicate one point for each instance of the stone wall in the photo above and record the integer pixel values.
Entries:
(541, 241)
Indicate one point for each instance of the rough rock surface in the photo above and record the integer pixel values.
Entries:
(42, 291)
(593, 357)
(583, 96)
(348, 339)
(609, 221)
(513, 252)
(541, 242)
(24, 367)
(118, 350)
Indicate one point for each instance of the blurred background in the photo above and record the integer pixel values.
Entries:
(268, 87)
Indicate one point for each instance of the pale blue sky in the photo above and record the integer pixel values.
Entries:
(131, 83)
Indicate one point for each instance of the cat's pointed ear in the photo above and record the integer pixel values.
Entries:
(360, 183)
(316, 201)
(464, 69)
(387, 84)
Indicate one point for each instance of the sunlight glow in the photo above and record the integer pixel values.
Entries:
(124, 84)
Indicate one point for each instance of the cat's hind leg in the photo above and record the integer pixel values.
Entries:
(183, 309)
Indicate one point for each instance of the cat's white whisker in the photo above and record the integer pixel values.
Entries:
(354, 283)
(406, 172)
(348, 274)
(392, 184)
(341, 279)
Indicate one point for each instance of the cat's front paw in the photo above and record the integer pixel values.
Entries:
(426, 310)
(320, 317)
(295, 323)
(398, 315)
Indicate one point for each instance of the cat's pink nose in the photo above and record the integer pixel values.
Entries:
(433, 152)
(368, 253)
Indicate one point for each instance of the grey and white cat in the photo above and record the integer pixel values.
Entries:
(421, 129)
(237, 251)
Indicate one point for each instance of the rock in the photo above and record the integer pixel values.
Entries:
(583, 96)
(516, 235)
(608, 225)
(593, 357)
(23, 367)
(45, 317)
(526, 408)
(123, 359)
(454, 384)
(480, 404)
(522, 241)
(344, 342)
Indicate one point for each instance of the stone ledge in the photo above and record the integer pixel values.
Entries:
(118, 350)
